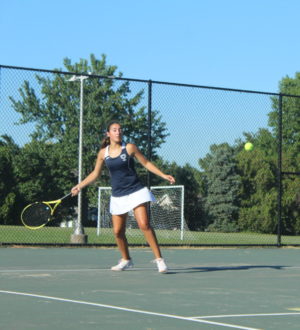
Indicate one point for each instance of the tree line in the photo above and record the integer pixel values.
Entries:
(234, 190)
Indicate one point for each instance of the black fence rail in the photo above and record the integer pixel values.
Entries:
(52, 124)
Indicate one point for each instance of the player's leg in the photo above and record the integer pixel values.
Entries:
(141, 216)
(119, 228)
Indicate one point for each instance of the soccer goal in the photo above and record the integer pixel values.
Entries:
(166, 214)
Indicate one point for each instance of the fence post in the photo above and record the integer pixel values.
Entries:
(279, 172)
(149, 147)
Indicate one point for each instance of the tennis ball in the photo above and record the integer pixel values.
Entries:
(248, 146)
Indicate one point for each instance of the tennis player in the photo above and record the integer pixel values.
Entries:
(128, 193)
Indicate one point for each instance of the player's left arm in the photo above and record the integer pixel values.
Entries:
(133, 150)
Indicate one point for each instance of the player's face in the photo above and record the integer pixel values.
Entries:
(115, 133)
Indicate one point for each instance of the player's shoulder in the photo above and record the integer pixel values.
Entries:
(131, 148)
(101, 153)
(130, 145)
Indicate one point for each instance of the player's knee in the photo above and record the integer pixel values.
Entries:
(119, 233)
(144, 226)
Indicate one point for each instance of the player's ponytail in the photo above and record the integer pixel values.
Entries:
(106, 141)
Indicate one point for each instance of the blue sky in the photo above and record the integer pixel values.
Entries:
(236, 44)
(247, 45)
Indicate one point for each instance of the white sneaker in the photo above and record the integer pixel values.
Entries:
(122, 265)
(161, 265)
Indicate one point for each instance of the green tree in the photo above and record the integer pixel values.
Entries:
(222, 187)
(54, 109)
(258, 170)
(39, 172)
(290, 113)
(290, 149)
(8, 191)
(191, 178)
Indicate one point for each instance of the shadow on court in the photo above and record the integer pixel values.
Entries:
(74, 288)
(218, 269)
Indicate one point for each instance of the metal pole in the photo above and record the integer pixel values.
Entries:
(149, 153)
(182, 213)
(99, 212)
(78, 228)
(279, 171)
(78, 235)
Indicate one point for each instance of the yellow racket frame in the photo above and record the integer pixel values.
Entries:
(52, 209)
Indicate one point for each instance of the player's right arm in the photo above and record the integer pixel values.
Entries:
(92, 177)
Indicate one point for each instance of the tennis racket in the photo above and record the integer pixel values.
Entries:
(38, 214)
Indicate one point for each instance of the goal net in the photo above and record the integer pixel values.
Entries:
(166, 214)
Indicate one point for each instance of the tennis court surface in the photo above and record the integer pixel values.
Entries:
(74, 288)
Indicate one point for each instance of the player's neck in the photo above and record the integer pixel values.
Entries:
(115, 145)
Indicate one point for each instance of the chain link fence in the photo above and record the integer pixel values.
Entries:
(196, 133)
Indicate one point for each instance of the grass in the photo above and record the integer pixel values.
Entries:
(57, 235)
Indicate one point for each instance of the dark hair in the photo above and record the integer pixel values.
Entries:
(106, 140)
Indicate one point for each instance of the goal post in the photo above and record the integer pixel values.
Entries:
(166, 214)
(168, 210)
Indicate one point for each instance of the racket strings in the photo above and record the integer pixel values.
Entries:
(36, 215)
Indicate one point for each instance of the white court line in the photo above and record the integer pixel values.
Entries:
(125, 309)
(244, 315)
(104, 269)
(51, 270)
(4, 271)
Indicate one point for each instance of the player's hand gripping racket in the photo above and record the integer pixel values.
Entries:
(38, 214)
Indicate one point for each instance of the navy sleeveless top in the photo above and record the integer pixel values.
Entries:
(124, 180)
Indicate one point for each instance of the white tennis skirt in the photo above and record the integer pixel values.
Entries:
(124, 204)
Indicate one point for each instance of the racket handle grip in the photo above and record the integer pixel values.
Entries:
(66, 196)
